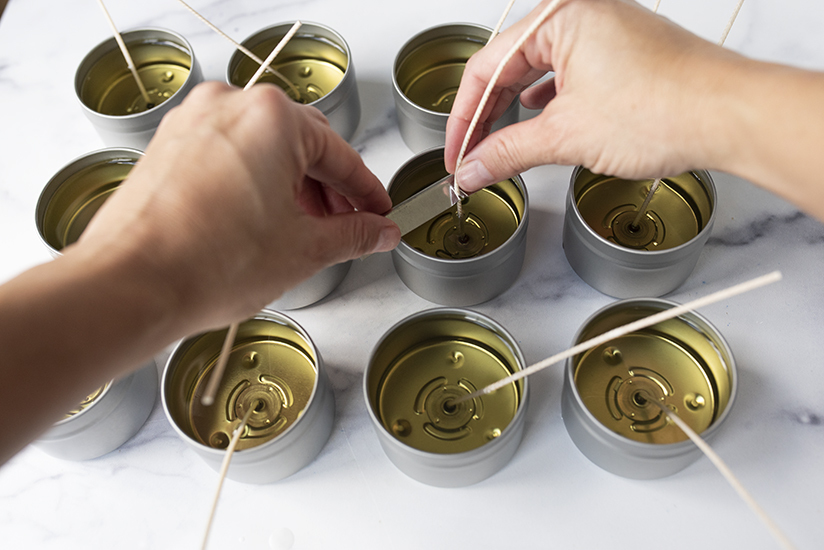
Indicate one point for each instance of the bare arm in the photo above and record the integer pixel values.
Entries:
(241, 196)
(638, 97)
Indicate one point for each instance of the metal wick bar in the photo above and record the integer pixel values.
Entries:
(643, 210)
(217, 375)
(642, 323)
(424, 205)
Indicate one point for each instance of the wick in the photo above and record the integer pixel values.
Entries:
(227, 458)
(549, 10)
(283, 41)
(125, 51)
(642, 323)
(500, 24)
(217, 375)
(729, 25)
(241, 48)
(722, 467)
(643, 210)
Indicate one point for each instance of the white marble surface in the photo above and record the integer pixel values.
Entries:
(154, 491)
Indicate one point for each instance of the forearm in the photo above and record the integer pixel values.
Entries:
(68, 327)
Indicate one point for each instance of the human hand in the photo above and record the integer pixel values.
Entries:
(632, 96)
(241, 196)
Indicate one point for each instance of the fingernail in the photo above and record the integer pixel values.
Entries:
(473, 176)
(388, 239)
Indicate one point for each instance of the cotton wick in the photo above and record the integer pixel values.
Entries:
(626, 329)
(125, 51)
(217, 374)
(275, 52)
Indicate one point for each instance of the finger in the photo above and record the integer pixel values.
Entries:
(538, 96)
(348, 236)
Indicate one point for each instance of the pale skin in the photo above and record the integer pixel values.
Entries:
(241, 195)
(636, 96)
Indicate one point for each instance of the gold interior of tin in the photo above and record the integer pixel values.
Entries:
(87, 401)
(491, 215)
(79, 197)
(110, 89)
(429, 75)
(422, 366)
(313, 64)
(272, 369)
(677, 362)
(680, 208)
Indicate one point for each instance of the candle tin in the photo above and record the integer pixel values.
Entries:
(106, 419)
(314, 68)
(652, 259)
(275, 369)
(417, 367)
(449, 266)
(313, 289)
(76, 192)
(683, 362)
(109, 96)
(425, 79)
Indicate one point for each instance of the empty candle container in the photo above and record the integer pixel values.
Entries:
(461, 262)
(425, 79)
(417, 370)
(625, 258)
(275, 370)
(314, 68)
(683, 363)
(110, 97)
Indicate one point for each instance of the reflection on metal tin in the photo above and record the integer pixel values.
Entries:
(109, 94)
(425, 78)
(651, 258)
(313, 289)
(106, 419)
(315, 68)
(275, 370)
(74, 194)
(418, 368)
(453, 263)
(683, 363)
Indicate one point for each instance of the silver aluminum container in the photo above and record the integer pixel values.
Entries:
(313, 289)
(105, 64)
(108, 422)
(684, 362)
(425, 79)
(286, 345)
(75, 193)
(462, 281)
(441, 350)
(338, 102)
(625, 272)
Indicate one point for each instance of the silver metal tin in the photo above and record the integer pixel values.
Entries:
(340, 105)
(624, 272)
(313, 289)
(446, 469)
(76, 191)
(288, 451)
(456, 282)
(421, 126)
(134, 130)
(108, 422)
(630, 458)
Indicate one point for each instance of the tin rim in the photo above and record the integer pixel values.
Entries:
(109, 385)
(182, 345)
(664, 448)
(110, 44)
(68, 170)
(469, 316)
(703, 235)
(306, 29)
(494, 257)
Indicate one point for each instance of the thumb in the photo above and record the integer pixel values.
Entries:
(348, 236)
(506, 153)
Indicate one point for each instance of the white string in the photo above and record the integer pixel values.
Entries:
(283, 41)
(642, 323)
(727, 473)
(240, 47)
(729, 25)
(653, 188)
(227, 459)
(217, 374)
(500, 24)
(549, 10)
(125, 51)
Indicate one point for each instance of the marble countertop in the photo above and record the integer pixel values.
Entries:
(154, 491)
